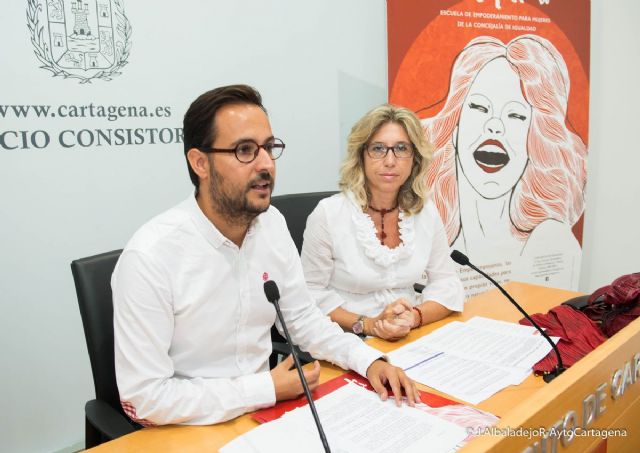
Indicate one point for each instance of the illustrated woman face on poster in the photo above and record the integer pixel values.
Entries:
(491, 134)
(507, 171)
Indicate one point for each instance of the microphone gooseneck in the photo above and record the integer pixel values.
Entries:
(273, 295)
(463, 260)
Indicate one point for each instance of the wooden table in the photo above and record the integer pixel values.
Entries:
(530, 404)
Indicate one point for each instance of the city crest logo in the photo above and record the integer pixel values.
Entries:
(80, 39)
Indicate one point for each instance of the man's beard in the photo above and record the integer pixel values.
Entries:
(236, 208)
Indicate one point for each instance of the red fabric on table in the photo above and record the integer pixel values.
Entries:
(578, 336)
(614, 306)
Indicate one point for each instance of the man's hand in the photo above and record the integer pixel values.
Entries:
(381, 374)
(287, 382)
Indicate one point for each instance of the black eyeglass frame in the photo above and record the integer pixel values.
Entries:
(393, 149)
(275, 143)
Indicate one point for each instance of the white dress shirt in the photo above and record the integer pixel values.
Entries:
(192, 323)
(346, 266)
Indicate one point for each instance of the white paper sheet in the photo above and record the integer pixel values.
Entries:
(472, 360)
(355, 421)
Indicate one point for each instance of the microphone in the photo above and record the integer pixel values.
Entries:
(273, 296)
(463, 260)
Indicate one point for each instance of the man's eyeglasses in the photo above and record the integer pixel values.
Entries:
(401, 150)
(248, 150)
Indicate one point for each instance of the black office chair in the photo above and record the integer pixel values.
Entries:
(295, 208)
(104, 417)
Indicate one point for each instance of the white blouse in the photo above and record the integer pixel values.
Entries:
(345, 265)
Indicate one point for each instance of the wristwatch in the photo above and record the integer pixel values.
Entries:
(358, 326)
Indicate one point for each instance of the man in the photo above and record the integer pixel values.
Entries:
(191, 322)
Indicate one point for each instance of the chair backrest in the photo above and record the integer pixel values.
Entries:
(92, 276)
(295, 208)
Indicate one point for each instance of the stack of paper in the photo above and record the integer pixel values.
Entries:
(472, 360)
(355, 420)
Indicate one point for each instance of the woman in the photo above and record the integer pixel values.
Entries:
(365, 247)
(508, 173)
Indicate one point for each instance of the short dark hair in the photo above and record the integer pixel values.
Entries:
(199, 127)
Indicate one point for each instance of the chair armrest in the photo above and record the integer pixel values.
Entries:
(111, 423)
(284, 349)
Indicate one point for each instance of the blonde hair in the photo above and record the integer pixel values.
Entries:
(414, 191)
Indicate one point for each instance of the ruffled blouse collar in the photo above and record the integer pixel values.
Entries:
(366, 236)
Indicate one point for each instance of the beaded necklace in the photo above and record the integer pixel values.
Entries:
(382, 213)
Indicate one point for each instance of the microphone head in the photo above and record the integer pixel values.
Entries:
(460, 258)
(271, 291)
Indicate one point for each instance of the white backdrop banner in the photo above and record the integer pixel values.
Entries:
(80, 42)
(92, 98)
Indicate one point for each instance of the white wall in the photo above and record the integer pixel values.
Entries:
(319, 65)
(612, 221)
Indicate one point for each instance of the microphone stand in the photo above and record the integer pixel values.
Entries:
(463, 260)
(273, 296)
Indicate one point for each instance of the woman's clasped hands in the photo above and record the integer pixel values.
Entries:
(395, 321)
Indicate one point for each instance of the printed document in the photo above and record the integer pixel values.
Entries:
(355, 420)
(472, 360)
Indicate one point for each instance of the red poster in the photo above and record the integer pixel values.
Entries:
(502, 89)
